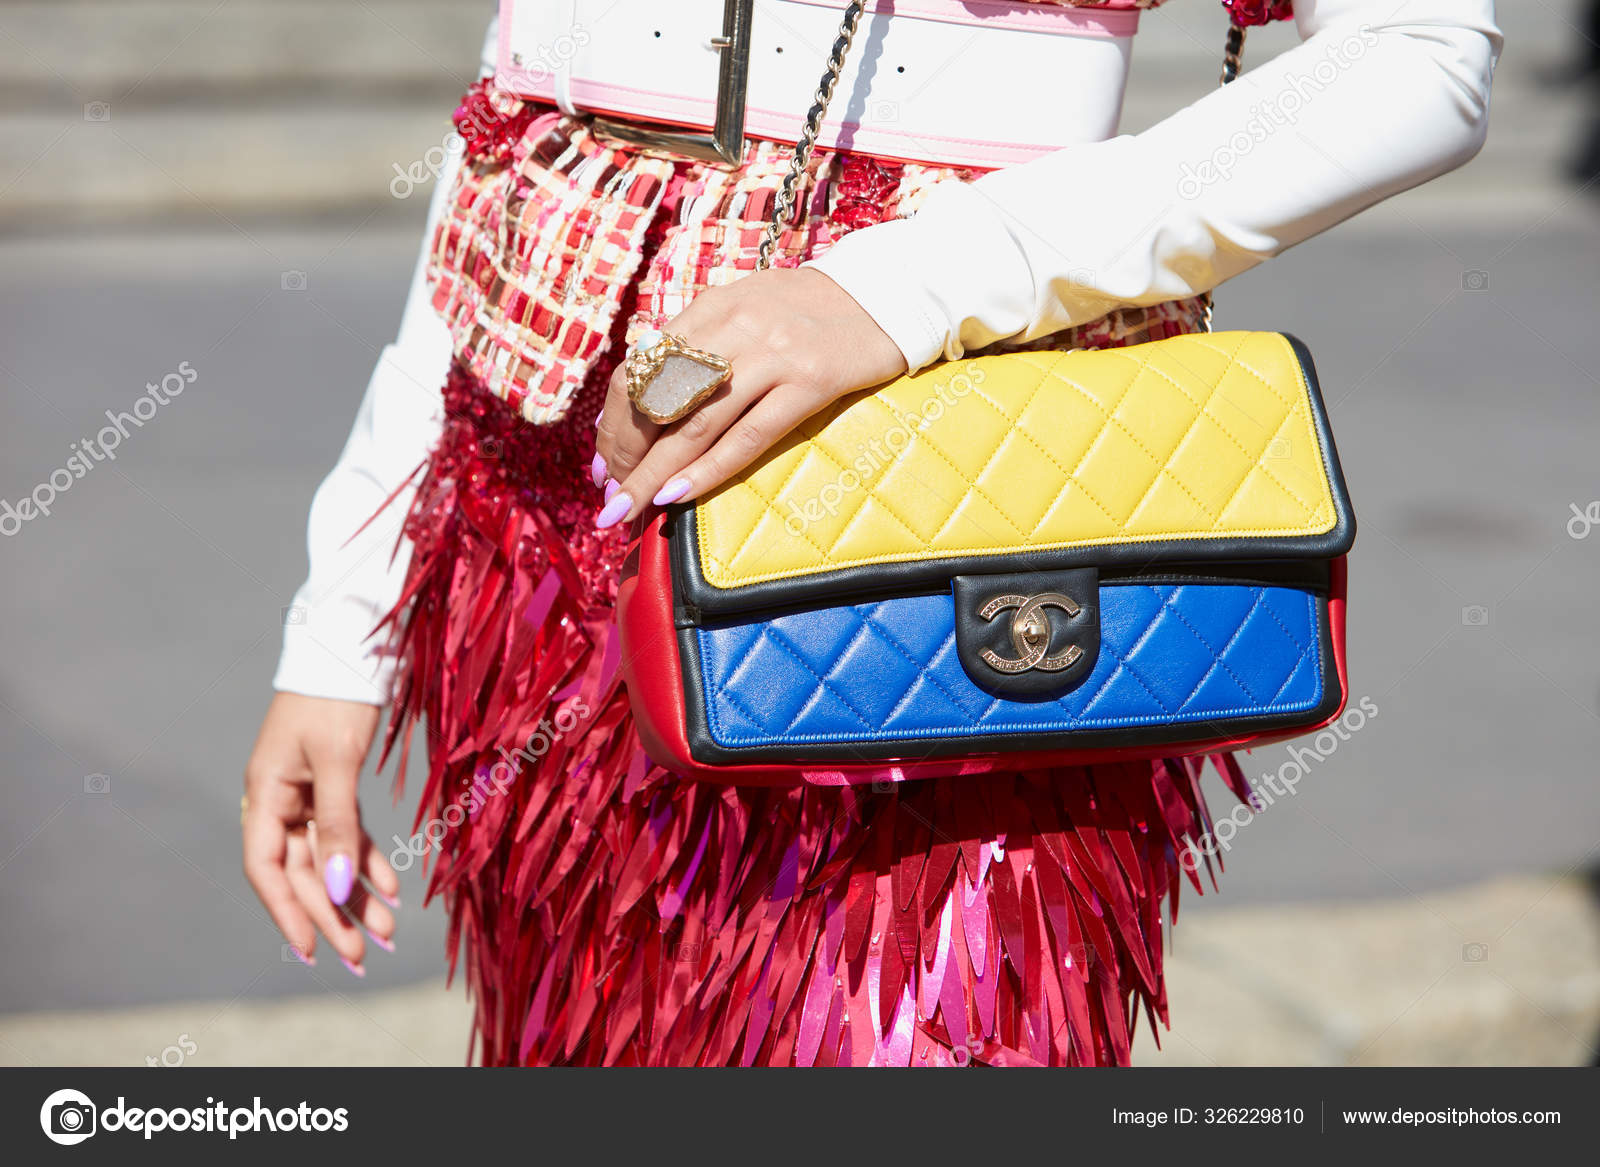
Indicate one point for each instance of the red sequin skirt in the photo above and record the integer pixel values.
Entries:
(613, 913)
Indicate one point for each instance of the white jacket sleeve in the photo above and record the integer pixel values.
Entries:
(328, 649)
(1380, 96)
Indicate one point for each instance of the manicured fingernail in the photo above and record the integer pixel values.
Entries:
(612, 486)
(338, 877)
(393, 903)
(386, 945)
(597, 470)
(355, 969)
(304, 958)
(672, 492)
(613, 512)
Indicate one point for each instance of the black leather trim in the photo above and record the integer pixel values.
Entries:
(707, 751)
(699, 598)
(1311, 575)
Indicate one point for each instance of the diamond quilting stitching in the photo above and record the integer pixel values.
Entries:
(729, 687)
(888, 637)
(1253, 464)
(770, 631)
(1046, 376)
(1203, 340)
(737, 527)
(1300, 663)
(1123, 657)
(1163, 464)
(1219, 656)
(1172, 611)
(770, 507)
(1214, 520)
(1292, 410)
(1284, 628)
(826, 553)
(971, 481)
(859, 511)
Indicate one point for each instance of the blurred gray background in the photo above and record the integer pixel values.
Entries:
(212, 183)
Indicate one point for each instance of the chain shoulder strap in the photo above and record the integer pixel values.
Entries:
(783, 204)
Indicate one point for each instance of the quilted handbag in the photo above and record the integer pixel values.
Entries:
(1011, 561)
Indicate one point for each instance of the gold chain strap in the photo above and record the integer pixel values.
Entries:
(1232, 60)
(783, 204)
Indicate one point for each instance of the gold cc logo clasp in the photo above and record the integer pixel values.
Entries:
(1030, 633)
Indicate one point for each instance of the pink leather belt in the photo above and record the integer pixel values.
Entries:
(961, 82)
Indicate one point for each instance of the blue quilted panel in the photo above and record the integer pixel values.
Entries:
(1169, 653)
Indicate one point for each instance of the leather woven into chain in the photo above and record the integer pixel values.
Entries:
(783, 204)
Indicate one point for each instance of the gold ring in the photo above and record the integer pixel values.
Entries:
(668, 379)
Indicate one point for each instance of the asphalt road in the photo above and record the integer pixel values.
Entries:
(1457, 347)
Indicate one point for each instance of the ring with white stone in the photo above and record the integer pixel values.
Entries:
(667, 379)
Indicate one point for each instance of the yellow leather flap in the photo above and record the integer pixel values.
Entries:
(1204, 437)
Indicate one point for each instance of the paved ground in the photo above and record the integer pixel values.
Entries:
(1454, 334)
(1504, 973)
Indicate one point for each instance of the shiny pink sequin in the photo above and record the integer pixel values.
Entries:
(613, 913)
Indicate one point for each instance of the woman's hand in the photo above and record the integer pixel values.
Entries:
(797, 341)
(304, 848)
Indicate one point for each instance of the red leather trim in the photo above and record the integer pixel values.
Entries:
(654, 677)
(649, 654)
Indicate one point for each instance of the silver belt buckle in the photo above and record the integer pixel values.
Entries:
(725, 143)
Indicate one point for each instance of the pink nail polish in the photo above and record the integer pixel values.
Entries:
(597, 470)
(386, 945)
(612, 486)
(338, 877)
(393, 903)
(613, 512)
(672, 492)
(302, 956)
(355, 969)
